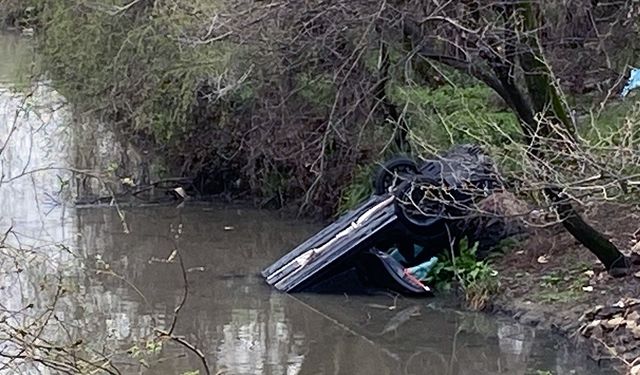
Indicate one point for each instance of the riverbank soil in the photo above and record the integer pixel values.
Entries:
(552, 281)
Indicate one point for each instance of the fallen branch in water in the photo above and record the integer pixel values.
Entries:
(171, 185)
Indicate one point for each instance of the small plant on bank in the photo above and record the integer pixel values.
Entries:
(475, 278)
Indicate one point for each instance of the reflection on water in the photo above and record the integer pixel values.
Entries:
(31, 139)
(246, 328)
(111, 289)
(230, 313)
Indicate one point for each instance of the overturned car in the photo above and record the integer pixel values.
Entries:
(391, 240)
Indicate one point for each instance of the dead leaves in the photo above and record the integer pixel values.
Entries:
(636, 248)
(614, 323)
(623, 313)
(617, 328)
(543, 259)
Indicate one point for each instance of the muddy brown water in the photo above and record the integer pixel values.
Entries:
(119, 286)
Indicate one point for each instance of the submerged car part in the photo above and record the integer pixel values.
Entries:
(412, 206)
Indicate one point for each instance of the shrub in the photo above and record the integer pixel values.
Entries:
(476, 279)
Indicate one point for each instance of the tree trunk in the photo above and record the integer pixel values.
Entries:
(544, 93)
(614, 261)
(545, 99)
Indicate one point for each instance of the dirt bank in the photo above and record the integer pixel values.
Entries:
(552, 281)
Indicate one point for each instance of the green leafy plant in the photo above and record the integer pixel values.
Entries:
(475, 278)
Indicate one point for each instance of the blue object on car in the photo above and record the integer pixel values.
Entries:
(421, 271)
(633, 82)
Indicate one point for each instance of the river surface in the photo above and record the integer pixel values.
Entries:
(102, 282)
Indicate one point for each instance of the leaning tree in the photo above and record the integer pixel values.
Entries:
(362, 46)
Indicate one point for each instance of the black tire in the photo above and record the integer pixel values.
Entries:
(392, 171)
(411, 216)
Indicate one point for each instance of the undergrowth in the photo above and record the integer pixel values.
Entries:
(360, 188)
(452, 114)
(151, 72)
(290, 125)
(476, 279)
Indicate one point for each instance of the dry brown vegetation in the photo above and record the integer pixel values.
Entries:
(288, 100)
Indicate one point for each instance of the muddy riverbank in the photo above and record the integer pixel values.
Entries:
(552, 282)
